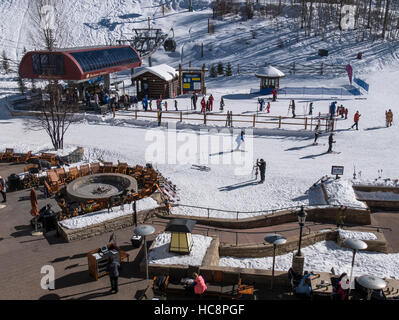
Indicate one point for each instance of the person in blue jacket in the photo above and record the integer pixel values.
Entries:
(332, 109)
(304, 285)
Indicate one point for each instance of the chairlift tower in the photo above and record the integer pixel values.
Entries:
(146, 41)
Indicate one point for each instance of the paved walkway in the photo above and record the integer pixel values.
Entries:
(22, 255)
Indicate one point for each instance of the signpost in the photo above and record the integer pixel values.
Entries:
(337, 171)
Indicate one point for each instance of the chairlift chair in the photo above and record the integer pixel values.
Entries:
(170, 43)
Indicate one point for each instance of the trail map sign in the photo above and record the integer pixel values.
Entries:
(337, 171)
(191, 82)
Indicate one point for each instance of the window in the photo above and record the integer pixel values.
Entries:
(48, 64)
(105, 58)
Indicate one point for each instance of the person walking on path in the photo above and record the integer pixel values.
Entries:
(166, 105)
(268, 107)
(262, 168)
(194, 99)
(112, 269)
(3, 189)
(330, 142)
(221, 104)
(340, 217)
(176, 105)
(356, 120)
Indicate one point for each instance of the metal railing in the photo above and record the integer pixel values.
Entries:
(263, 212)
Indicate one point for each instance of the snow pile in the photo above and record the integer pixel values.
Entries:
(324, 255)
(340, 192)
(379, 182)
(316, 196)
(89, 219)
(346, 234)
(160, 253)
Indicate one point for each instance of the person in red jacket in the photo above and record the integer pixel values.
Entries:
(274, 92)
(356, 120)
(203, 105)
(199, 284)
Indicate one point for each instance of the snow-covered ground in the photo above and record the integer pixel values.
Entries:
(347, 234)
(323, 256)
(160, 253)
(89, 219)
(340, 192)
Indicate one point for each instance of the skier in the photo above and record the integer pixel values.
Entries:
(210, 99)
(195, 98)
(176, 105)
(356, 120)
(159, 116)
(268, 107)
(311, 108)
(221, 104)
(332, 109)
(262, 168)
(292, 105)
(166, 105)
(389, 117)
(342, 111)
(135, 102)
(203, 104)
(240, 138)
(346, 113)
(207, 105)
(274, 92)
(316, 134)
(330, 142)
(145, 103)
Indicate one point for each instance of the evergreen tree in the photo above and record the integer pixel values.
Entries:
(5, 63)
(220, 68)
(229, 72)
(213, 73)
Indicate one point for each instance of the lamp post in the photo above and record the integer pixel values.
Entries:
(371, 283)
(301, 220)
(143, 231)
(355, 245)
(274, 239)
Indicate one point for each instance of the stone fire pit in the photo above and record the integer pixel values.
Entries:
(101, 186)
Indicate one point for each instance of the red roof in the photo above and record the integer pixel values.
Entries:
(78, 63)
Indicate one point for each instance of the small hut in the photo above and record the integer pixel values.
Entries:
(181, 239)
(156, 81)
(269, 79)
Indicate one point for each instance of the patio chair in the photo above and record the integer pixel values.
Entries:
(107, 167)
(95, 168)
(84, 170)
(73, 173)
(62, 175)
(122, 167)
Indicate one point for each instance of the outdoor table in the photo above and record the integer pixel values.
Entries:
(392, 289)
(321, 284)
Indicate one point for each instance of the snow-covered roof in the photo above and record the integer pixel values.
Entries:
(163, 71)
(270, 72)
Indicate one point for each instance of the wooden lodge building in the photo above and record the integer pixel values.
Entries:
(161, 80)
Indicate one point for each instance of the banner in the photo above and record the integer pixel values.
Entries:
(349, 70)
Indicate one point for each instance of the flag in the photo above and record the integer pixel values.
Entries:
(349, 70)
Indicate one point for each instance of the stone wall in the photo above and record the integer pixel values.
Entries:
(324, 215)
(107, 226)
(266, 250)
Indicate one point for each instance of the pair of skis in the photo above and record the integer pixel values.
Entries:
(201, 168)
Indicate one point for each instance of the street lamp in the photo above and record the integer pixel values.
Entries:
(274, 239)
(301, 220)
(371, 283)
(143, 231)
(355, 245)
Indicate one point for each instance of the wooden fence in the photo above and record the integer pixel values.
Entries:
(239, 120)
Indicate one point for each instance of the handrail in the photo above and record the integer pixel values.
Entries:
(268, 210)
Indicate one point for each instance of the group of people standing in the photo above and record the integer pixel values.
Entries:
(206, 104)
